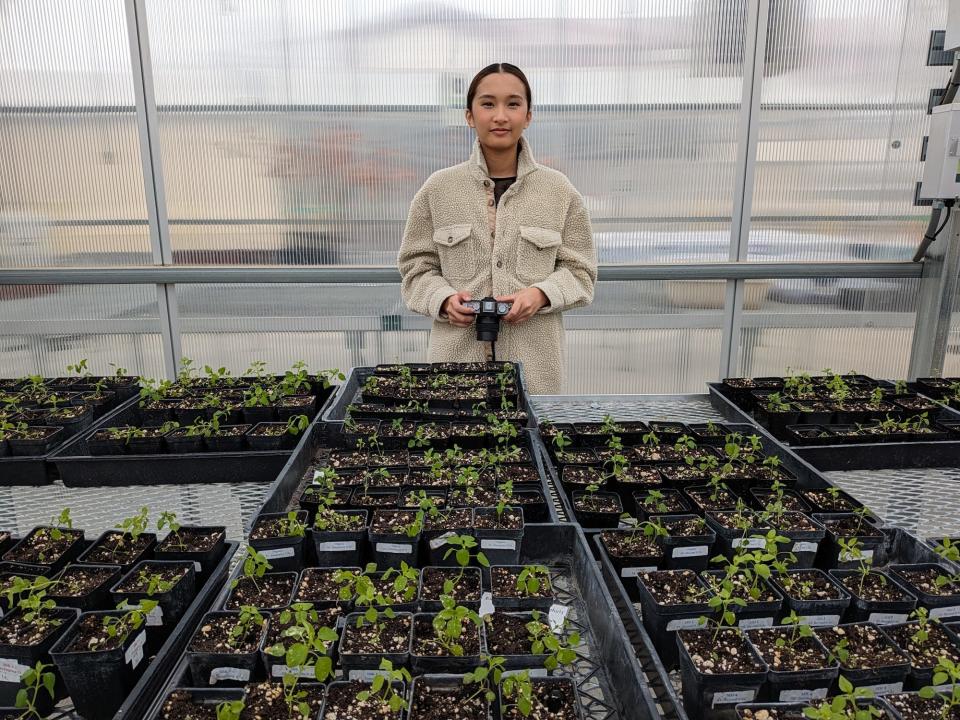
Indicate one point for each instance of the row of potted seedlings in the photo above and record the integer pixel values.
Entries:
(217, 412)
(860, 406)
(86, 619)
(37, 413)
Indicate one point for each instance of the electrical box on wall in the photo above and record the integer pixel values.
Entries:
(941, 168)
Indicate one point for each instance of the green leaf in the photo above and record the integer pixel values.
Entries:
(324, 668)
(845, 685)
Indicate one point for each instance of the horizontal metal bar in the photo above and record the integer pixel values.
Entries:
(148, 274)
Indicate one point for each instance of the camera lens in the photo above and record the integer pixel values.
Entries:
(488, 328)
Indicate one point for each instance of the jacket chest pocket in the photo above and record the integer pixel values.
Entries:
(537, 253)
(457, 250)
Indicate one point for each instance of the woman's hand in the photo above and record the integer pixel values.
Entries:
(526, 302)
(456, 313)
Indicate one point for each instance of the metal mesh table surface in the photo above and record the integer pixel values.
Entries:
(592, 408)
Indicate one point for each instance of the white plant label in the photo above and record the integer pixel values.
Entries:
(820, 620)
(486, 604)
(750, 543)
(886, 688)
(364, 676)
(733, 697)
(557, 616)
(11, 671)
(533, 672)
(753, 623)
(848, 557)
(636, 571)
(804, 547)
(887, 618)
(155, 617)
(498, 544)
(684, 624)
(278, 553)
(692, 551)
(441, 540)
(341, 546)
(395, 548)
(229, 673)
(197, 567)
(803, 695)
(304, 671)
(134, 653)
(942, 612)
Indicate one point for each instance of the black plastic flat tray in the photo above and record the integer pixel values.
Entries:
(284, 492)
(348, 391)
(77, 468)
(902, 547)
(864, 456)
(610, 682)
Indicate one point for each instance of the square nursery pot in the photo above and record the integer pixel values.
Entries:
(631, 553)
(203, 545)
(821, 500)
(100, 443)
(467, 589)
(787, 685)
(17, 659)
(810, 435)
(354, 660)
(730, 539)
(259, 414)
(422, 661)
(317, 586)
(275, 666)
(229, 438)
(151, 444)
(500, 537)
(38, 547)
(689, 544)
(272, 591)
(920, 581)
(894, 609)
(711, 695)
(438, 693)
(825, 611)
(271, 436)
(502, 581)
(284, 553)
(118, 548)
(391, 548)
(179, 443)
(664, 612)
(889, 664)
(38, 440)
(234, 668)
(845, 526)
(335, 548)
(171, 604)
(941, 643)
(341, 698)
(761, 613)
(85, 587)
(506, 636)
(674, 502)
(804, 535)
(454, 521)
(99, 681)
(552, 697)
(602, 511)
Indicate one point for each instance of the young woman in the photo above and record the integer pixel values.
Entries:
(499, 225)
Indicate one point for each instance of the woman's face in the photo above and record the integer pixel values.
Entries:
(499, 112)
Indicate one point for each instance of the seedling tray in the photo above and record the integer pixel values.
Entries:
(78, 468)
(610, 683)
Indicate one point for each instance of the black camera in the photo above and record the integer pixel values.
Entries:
(488, 313)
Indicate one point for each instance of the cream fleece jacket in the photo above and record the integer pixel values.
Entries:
(456, 240)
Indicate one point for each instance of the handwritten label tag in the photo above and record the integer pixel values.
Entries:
(846, 556)
(885, 688)
(304, 671)
(395, 548)
(820, 620)
(942, 612)
(486, 604)
(278, 553)
(134, 653)
(750, 543)
(441, 540)
(197, 567)
(803, 695)
(11, 671)
(684, 624)
(557, 616)
(805, 547)
(155, 617)
(364, 676)
(733, 697)
(342, 546)
(635, 571)
(887, 618)
(498, 544)
(753, 623)
(229, 673)
(691, 551)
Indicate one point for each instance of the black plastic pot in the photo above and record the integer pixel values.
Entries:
(342, 689)
(713, 696)
(259, 414)
(663, 621)
(642, 513)
(597, 519)
(882, 680)
(201, 697)
(18, 659)
(500, 545)
(435, 605)
(919, 676)
(99, 682)
(178, 442)
(203, 560)
(56, 564)
(95, 599)
(171, 605)
(870, 538)
(630, 566)
(511, 602)
(145, 554)
(228, 443)
(260, 441)
(369, 661)
(816, 613)
(283, 553)
(340, 548)
(145, 445)
(891, 612)
(803, 544)
(101, 444)
(389, 550)
(730, 539)
(25, 447)
(687, 552)
(225, 669)
(755, 614)
(422, 664)
(941, 607)
(798, 685)
(292, 577)
(809, 435)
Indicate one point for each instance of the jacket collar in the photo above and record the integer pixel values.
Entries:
(525, 162)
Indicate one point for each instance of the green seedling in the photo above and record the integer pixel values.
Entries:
(531, 578)
(448, 625)
(120, 626)
(255, 566)
(248, 621)
(40, 678)
(461, 547)
(382, 690)
(559, 649)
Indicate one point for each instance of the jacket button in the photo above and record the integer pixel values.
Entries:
(450, 238)
(493, 235)
(489, 202)
(499, 263)
(486, 183)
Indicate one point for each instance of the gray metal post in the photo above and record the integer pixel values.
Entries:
(148, 128)
(938, 287)
(755, 44)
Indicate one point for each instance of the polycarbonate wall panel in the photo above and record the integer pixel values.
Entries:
(71, 180)
(843, 324)
(44, 328)
(843, 115)
(951, 362)
(636, 337)
(297, 136)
